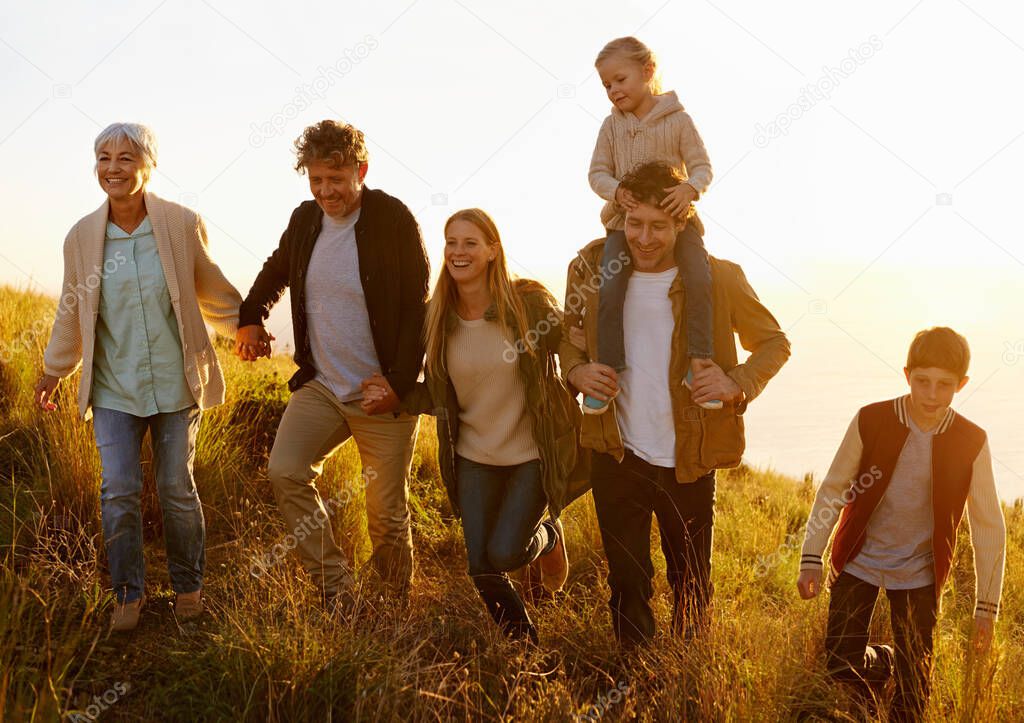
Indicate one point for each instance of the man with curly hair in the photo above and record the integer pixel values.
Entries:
(354, 260)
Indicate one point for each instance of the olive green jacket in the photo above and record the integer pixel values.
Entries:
(554, 413)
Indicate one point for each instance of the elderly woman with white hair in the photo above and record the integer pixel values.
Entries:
(139, 284)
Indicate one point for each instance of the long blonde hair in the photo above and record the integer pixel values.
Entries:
(510, 308)
(632, 49)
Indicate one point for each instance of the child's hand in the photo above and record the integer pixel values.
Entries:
(809, 583)
(625, 198)
(679, 198)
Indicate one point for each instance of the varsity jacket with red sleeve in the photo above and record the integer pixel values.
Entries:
(961, 476)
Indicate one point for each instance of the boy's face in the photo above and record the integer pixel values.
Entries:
(932, 390)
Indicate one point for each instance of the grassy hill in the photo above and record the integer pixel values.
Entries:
(265, 651)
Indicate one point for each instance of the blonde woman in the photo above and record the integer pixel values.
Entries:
(506, 425)
(139, 286)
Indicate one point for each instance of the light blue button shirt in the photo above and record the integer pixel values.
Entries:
(138, 366)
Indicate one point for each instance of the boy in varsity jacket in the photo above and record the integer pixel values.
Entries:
(898, 487)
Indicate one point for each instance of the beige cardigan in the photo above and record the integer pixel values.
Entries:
(198, 289)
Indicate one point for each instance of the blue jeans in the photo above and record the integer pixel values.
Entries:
(502, 511)
(119, 438)
(695, 271)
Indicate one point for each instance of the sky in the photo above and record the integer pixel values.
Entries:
(866, 157)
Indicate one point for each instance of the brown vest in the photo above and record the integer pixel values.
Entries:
(884, 427)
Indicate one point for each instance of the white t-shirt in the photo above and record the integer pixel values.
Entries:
(644, 403)
(336, 318)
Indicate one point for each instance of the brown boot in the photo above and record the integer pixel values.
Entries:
(554, 564)
(126, 615)
(188, 605)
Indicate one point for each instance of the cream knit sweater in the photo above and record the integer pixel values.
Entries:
(199, 293)
(494, 424)
(666, 133)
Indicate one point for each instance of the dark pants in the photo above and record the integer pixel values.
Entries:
(867, 668)
(626, 495)
(692, 260)
(502, 509)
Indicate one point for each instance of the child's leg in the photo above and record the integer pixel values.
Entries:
(695, 270)
(615, 270)
(848, 657)
(913, 615)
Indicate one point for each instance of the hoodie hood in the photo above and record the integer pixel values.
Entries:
(664, 104)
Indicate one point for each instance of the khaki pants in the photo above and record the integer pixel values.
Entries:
(314, 425)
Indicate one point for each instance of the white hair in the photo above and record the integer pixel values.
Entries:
(139, 135)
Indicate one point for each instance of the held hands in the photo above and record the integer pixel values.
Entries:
(596, 380)
(679, 198)
(809, 583)
(378, 396)
(45, 388)
(252, 342)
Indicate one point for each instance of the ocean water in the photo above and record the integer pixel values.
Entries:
(847, 356)
(799, 421)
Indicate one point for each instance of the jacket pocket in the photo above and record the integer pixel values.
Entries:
(592, 434)
(722, 442)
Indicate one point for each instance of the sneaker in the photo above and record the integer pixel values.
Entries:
(342, 603)
(188, 605)
(554, 564)
(126, 615)
(711, 403)
(593, 405)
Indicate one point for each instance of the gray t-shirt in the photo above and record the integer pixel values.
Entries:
(897, 552)
(338, 324)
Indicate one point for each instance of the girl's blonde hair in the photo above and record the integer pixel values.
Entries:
(510, 308)
(632, 49)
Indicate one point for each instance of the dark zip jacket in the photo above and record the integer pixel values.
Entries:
(394, 270)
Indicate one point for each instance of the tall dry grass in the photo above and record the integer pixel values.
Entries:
(265, 650)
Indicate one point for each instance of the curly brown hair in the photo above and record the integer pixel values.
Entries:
(330, 141)
(647, 182)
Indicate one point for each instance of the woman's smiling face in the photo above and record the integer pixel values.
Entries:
(120, 169)
(466, 252)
